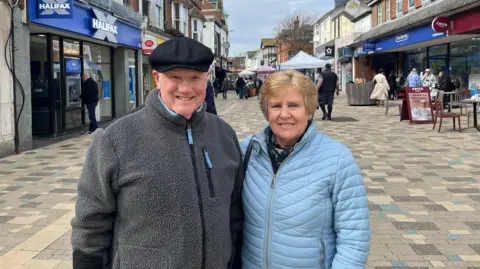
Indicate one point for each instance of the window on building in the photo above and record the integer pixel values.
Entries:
(387, 11)
(217, 44)
(411, 3)
(214, 3)
(176, 16)
(379, 14)
(126, 2)
(145, 7)
(185, 28)
(399, 6)
(195, 25)
(159, 15)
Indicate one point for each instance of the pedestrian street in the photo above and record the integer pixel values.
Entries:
(423, 188)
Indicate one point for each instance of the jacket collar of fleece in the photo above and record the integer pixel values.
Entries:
(156, 104)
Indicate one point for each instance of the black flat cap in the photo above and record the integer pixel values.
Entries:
(181, 52)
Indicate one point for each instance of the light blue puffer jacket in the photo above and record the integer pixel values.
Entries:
(313, 214)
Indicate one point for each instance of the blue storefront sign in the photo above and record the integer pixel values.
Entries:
(348, 52)
(84, 20)
(106, 90)
(73, 66)
(54, 8)
(368, 46)
(410, 37)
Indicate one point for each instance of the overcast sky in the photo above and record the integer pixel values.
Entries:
(252, 20)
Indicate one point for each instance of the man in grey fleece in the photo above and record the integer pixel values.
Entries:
(161, 187)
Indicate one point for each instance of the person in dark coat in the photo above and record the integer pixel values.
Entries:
(89, 98)
(210, 99)
(241, 87)
(392, 82)
(161, 187)
(327, 85)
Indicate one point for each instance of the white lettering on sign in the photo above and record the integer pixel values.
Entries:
(105, 26)
(54, 6)
(102, 25)
(401, 37)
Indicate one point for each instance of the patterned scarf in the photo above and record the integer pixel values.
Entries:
(275, 151)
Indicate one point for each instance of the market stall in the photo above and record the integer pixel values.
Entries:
(303, 61)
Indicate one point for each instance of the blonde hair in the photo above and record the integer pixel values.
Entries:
(279, 81)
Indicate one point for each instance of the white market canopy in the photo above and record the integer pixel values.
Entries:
(303, 61)
(246, 73)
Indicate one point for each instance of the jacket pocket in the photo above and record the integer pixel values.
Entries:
(142, 258)
(321, 254)
(208, 168)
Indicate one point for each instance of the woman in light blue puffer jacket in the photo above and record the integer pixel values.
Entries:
(304, 200)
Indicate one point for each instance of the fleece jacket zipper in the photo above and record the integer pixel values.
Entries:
(197, 184)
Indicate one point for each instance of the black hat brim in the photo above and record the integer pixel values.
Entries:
(163, 69)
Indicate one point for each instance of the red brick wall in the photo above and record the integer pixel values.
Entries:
(374, 16)
(418, 3)
(393, 9)
(405, 6)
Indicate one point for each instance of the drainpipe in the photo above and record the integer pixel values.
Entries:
(16, 120)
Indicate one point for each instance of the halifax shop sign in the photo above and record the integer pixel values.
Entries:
(79, 18)
(410, 37)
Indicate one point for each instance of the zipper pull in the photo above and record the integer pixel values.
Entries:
(207, 158)
(189, 134)
(274, 179)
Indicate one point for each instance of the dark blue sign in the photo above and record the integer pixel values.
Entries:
(347, 52)
(368, 46)
(89, 22)
(73, 66)
(106, 90)
(54, 8)
(414, 36)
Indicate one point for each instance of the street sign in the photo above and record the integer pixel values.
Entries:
(441, 24)
(226, 45)
(329, 51)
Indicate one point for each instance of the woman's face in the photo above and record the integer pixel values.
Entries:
(288, 116)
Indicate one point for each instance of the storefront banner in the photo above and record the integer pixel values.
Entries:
(88, 21)
(348, 52)
(149, 43)
(419, 104)
(466, 22)
(106, 90)
(54, 8)
(417, 35)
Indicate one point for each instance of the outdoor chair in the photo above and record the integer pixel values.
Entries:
(470, 113)
(439, 113)
(394, 104)
(457, 97)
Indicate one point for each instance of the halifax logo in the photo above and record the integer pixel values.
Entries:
(105, 27)
(55, 8)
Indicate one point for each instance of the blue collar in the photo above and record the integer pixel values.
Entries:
(171, 112)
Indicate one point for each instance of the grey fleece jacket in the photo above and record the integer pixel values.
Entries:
(153, 196)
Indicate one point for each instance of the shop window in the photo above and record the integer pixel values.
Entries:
(71, 47)
(438, 50)
(132, 79)
(465, 63)
(415, 59)
(97, 63)
(39, 76)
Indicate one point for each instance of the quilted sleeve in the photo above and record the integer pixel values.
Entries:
(351, 216)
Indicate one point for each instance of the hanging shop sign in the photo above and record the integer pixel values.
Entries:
(419, 104)
(329, 51)
(149, 43)
(348, 52)
(441, 24)
(417, 35)
(54, 8)
(84, 20)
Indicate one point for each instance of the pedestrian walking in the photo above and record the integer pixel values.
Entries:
(327, 85)
(304, 207)
(89, 97)
(224, 89)
(380, 92)
(392, 82)
(259, 84)
(241, 87)
(209, 99)
(413, 80)
(161, 187)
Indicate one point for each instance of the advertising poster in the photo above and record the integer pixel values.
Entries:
(131, 73)
(106, 90)
(419, 104)
(73, 90)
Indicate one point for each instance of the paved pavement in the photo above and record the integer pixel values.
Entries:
(423, 187)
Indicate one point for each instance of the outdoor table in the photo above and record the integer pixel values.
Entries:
(475, 124)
